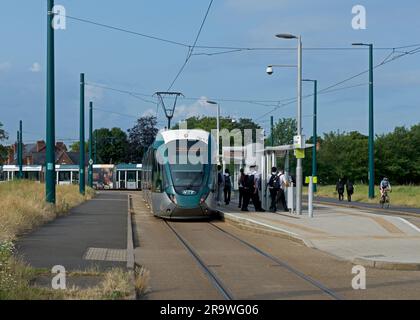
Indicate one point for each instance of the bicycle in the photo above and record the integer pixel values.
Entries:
(385, 200)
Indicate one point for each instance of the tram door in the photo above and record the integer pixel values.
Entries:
(122, 179)
(131, 180)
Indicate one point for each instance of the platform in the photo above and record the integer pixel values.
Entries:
(356, 235)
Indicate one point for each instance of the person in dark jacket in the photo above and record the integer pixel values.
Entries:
(350, 189)
(241, 183)
(227, 186)
(340, 189)
(274, 187)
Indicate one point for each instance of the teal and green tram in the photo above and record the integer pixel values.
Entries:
(179, 175)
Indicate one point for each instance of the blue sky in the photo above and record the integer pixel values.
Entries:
(133, 63)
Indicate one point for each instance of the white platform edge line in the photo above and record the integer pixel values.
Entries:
(265, 225)
(410, 224)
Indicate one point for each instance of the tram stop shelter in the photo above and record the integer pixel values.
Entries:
(267, 158)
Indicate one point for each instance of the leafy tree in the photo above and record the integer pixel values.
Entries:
(284, 131)
(141, 136)
(75, 146)
(111, 145)
(3, 149)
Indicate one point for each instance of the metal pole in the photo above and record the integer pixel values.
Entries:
(17, 152)
(371, 128)
(310, 198)
(20, 151)
(218, 133)
(96, 157)
(82, 136)
(272, 131)
(50, 139)
(315, 135)
(90, 173)
(299, 181)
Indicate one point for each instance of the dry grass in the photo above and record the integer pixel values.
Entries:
(408, 196)
(23, 207)
(141, 281)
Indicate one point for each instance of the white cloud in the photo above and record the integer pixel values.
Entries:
(36, 67)
(198, 108)
(5, 66)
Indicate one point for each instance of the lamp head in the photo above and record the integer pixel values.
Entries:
(270, 70)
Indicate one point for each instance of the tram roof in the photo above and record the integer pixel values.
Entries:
(129, 166)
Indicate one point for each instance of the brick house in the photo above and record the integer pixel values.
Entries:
(35, 154)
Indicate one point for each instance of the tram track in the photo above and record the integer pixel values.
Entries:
(283, 264)
(217, 280)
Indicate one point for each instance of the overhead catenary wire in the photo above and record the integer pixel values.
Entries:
(191, 48)
(328, 89)
(215, 47)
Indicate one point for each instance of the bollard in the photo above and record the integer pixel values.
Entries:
(311, 197)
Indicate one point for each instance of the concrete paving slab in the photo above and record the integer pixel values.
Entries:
(351, 234)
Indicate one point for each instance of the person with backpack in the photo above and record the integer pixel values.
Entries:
(350, 189)
(254, 186)
(284, 184)
(241, 182)
(219, 185)
(340, 189)
(274, 187)
(227, 186)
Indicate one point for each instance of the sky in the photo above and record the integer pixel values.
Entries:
(129, 62)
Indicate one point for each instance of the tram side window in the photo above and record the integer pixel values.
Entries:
(131, 176)
(157, 174)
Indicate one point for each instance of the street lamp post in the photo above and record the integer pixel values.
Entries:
(299, 175)
(315, 133)
(90, 171)
(371, 123)
(218, 127)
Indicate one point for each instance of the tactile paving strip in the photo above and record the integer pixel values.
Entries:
(103, 254)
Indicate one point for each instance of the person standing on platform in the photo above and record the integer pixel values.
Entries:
(284, 184)
(241, 182)
(274, 187)
(227, 186)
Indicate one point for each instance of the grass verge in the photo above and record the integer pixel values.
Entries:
(23, 207)
(408, 196)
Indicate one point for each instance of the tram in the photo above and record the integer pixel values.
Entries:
(179, 175)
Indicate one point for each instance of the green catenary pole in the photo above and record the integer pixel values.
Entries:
(90, 173)
(17, 152)
(371, 128)
(82, 136)
(20, 151)
(50, 139)
(94, 148)
(315, 135)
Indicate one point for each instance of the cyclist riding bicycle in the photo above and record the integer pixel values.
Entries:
(385, 186)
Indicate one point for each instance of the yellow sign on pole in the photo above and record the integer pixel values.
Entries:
(300, 153)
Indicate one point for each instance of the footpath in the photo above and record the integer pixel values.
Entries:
(92, 236)
(353, 234)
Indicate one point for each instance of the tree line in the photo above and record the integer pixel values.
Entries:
(345, 155)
